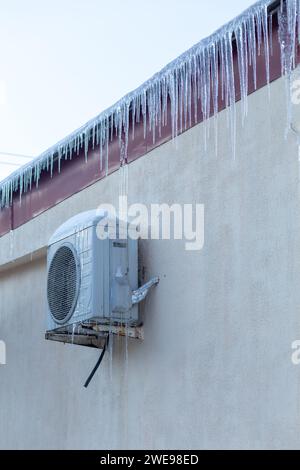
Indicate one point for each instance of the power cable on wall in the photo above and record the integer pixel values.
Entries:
(97, 363)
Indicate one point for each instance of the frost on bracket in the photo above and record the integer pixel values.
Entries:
(192, 85)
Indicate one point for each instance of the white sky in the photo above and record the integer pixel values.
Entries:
(63, 61)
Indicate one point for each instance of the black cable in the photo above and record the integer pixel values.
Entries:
(98, 363)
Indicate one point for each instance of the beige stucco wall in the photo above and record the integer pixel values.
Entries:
(215, 368)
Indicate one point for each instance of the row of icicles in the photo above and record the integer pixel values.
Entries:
(195, 82)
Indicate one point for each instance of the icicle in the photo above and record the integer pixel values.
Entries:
(271, 33)
(126, 353)
(252, 48)
(123, 185)
(287, 17)
(243, 66)
(111, 351)
(86, 145)
(11, 245)
(73, 332)
(230, 88)
(264, 21)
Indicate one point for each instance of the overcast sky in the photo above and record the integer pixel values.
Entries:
(64, 61)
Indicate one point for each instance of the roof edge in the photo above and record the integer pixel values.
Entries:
(195, 74)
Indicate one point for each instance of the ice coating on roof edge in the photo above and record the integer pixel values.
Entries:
(190, 82)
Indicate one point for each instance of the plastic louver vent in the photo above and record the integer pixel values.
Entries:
(63, 283)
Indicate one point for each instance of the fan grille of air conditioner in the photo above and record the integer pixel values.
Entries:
(63, 283)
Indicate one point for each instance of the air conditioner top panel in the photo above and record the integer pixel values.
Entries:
(87, 219)
(77, 223)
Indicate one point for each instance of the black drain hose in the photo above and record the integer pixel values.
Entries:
(97, 363)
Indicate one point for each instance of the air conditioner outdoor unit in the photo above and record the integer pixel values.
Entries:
(90, 279)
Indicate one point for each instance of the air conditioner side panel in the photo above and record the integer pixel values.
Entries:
(133, 276)
(100, 278)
